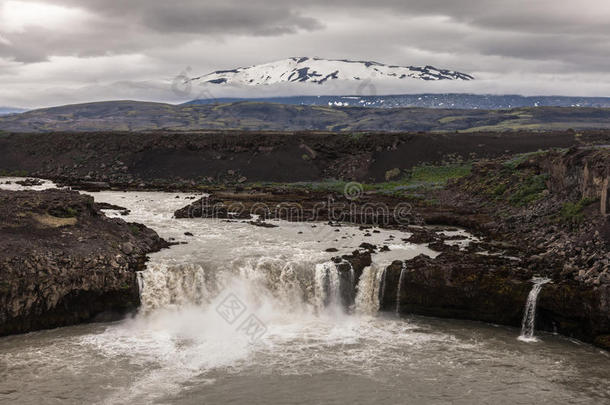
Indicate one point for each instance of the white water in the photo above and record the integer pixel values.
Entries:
(179, 349)
(399, 287)
(529, 316)
(368, 292)
(283, 277)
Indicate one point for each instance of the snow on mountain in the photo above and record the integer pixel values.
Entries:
(320, 71)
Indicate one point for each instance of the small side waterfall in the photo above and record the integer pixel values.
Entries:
(400, 279)
(382, 283)
(529, 316)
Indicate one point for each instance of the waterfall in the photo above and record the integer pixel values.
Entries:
(369, 289)
(165, 286)
(529, 316)
(298, 284)
(402, 272)
(334, 290)
(382, 286)
(327, 284)
(140, 281)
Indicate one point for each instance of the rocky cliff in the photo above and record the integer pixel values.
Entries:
(550, 212)
(63, 262)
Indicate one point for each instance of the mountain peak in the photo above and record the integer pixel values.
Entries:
(303, 69)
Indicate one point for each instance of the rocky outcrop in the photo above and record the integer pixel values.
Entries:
(547, 209)
(580, 174)
(495, 290)
(63, 262)
(456, 285)
(350, 268)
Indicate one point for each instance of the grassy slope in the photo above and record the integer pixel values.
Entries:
(140, 116)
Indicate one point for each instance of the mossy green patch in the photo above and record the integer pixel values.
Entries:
(13, 173)
(63, 212)
(516, 160)
(134, 229)
(438, 175)
(529, 190)
(572, 213)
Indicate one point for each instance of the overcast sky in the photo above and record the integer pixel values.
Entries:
(65, 51)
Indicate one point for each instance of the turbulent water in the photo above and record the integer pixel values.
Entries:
(243, 314)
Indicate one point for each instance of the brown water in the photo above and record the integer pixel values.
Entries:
(181, 349)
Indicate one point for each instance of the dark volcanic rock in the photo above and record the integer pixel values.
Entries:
(63, 262)
(262, 224)
(207, 207)
(421, 236)
(29, 182)
(455, 286)
(368, 246)
(106, 206)
(185, 160)
(358, 260)
(492, 289)
(441, 246)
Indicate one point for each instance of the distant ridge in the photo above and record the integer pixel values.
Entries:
(10, 110)
(458, 101)
(260, 116)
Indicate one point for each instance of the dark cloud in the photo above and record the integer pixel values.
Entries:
(486, 37)
(519, 28)
(224, 18)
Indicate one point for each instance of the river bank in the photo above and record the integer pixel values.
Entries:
(63, 262)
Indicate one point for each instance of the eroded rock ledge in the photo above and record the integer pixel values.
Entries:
(492, 289)
(63, 262)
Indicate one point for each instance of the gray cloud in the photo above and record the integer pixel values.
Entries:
(538, 39)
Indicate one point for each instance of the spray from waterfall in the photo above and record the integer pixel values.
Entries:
(402, 273)
(529, 317)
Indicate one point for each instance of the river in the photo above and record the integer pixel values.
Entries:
(245, 314)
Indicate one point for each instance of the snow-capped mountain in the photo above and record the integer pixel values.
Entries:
(320, 71)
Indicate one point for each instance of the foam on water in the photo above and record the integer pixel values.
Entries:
(282, 276)
(179, 339)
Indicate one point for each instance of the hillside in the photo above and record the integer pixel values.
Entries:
(257, 116)
(446, 100)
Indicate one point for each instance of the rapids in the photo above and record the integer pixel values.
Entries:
(318, 339)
